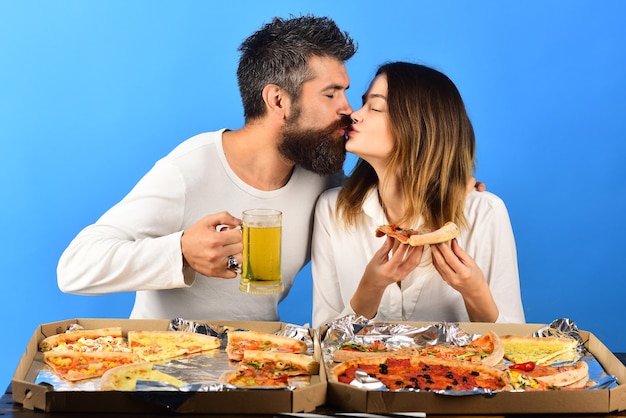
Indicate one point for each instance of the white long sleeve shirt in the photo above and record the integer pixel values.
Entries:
(135, 246)
(340, 255)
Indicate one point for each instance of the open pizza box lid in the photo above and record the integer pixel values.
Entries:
(351, 398)
(253, 401)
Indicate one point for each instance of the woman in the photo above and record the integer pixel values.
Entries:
(417, 149)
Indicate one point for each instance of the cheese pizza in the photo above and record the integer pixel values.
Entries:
(125, 377)
(164, 345)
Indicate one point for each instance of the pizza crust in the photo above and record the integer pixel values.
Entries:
(415, 238)
(575, 375)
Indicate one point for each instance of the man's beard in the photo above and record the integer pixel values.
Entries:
(321, 151)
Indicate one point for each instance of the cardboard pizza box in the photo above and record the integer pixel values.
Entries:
(351, 398)
(43, 397)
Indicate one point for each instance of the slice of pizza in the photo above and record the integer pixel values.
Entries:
(74, 365)
(486, 349)
(538, 377)
(416, 238)
(539, 350)
(267, 368)
(422, 373)
(164, 345)
(240, 341)
(125, 377)
(86, 340)
(352, 350)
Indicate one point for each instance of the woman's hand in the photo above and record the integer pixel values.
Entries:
(461, 272)
(390, 264)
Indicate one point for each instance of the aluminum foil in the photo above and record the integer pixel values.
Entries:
(360, 330)
(200, 371)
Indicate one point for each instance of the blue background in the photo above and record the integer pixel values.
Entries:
(92, 93)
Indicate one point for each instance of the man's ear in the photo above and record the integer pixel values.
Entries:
(276, 100)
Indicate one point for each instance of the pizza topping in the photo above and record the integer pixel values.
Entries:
(525, 367)
(374, 347)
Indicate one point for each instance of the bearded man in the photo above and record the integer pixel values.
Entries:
(162, 240)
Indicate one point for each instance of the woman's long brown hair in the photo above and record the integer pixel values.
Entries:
(434, 150)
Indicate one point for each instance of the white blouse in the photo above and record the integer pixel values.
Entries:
(340, 255)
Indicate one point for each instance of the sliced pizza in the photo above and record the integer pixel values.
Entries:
(423, 373)
(240, 341)
(74, 365)
(539, 350)
(416, 238)
(352, 350)
(538, 377)
(164, 345)
(84, 340)
(125, 377)
(486, 349)
(267, 368)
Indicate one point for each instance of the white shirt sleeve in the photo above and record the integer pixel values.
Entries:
(492, 244)
(327, 295)
(126, 250)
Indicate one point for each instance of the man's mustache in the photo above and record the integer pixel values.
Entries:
(344, 122)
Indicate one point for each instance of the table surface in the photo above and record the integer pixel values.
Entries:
(8, 408)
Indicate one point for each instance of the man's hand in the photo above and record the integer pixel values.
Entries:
(206, 250)
(475, 185)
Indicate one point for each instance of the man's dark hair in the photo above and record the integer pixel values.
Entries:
(278, 53)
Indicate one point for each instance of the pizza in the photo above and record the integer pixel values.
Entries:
(240, 341)
(164, 345)
(351, 350)
(529, 376)
(267, 368)
(486, 349)
(423, 373)
(87, 341)
(125, 377)
(75, 365)
(416, 238)
(539, 350)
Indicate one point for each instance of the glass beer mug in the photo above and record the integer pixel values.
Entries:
(260, 270)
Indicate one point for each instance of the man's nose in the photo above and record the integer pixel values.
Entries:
(345, 108)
